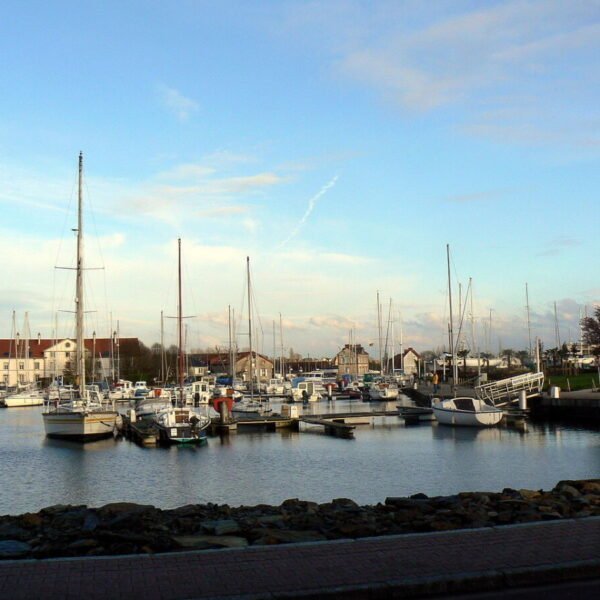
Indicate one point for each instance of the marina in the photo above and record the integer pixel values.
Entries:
(386, 457)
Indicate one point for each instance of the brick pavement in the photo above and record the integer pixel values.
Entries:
(385, 567)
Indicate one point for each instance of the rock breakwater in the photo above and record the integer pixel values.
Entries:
(126, 528)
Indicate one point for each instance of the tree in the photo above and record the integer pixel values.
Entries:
(563, 353)
(509, 353)
(523, 356)
(590, 327)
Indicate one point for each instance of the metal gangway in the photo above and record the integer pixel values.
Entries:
(507, 390)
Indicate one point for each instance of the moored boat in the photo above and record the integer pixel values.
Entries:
(181, 425)
(81, 419)
(466, 411)
(83, 416)
(28, 397)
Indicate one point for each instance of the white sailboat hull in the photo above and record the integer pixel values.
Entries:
(79, 425)
(22, 400)
(383, 393)
(466, 412)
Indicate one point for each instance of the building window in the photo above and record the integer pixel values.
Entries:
(68, 364)
(6, 379)
(21, 366)
(6, 366)
(36, 366)
(21, 378)
(67, 354)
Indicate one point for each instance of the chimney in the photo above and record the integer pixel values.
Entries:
(39, 338)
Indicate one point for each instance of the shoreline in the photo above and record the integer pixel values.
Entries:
(128, 528)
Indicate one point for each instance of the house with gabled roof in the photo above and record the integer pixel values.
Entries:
(201, 364)
(353, 360)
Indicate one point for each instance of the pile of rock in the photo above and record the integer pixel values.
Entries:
(125, 528)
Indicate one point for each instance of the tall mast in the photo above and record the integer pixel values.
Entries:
(451, 330)
(13, 336)
(27, 335)
(401, 343)
(379, 333)
(281, 360)
(274, 349)
(234, 343)
(528, 320)
(250, 328)
(162, 348)
(79, 286)
(54, 342)
(112, 351)
(556, 328)
(231, 365)
(179, 324)
(93, 356)
(118, 350)
(392, 345)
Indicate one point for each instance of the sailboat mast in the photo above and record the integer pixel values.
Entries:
(451, 330)
(250, 328)
(379, 333)
(528, 320)
(231, 366)
(281, 360)
(79, 286)
(162, 348)
(179, 323)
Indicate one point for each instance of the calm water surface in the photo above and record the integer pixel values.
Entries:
(384, 459)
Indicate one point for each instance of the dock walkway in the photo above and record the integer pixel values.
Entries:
(495, 559)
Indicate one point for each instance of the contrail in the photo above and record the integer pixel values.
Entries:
(311, 205)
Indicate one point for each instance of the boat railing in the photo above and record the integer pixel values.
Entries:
(506, 390)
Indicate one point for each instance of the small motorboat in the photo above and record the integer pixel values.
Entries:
(466, 411)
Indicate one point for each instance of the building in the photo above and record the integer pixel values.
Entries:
(42, 360)
(410, 361)
(353, 360)
(213, 363)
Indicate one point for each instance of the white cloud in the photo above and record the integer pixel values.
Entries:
(470, 59)
(178, 104)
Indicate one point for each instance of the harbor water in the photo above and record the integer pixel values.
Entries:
(385, 458)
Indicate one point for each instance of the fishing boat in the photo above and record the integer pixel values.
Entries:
(178, 423)
(83, 416)
(466, 411)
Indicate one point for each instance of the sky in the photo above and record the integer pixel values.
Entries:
(341, 145)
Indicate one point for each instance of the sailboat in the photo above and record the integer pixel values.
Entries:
(178, 423)
(250, 404)
(465, 410)
(83, 416)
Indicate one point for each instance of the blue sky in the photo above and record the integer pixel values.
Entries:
(340, 145)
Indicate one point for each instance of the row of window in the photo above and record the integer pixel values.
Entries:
(36, 366)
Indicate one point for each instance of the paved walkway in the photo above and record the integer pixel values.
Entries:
(477, 560)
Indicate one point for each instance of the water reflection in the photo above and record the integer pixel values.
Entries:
(465, 434)
(384, 459)
(96, 446)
